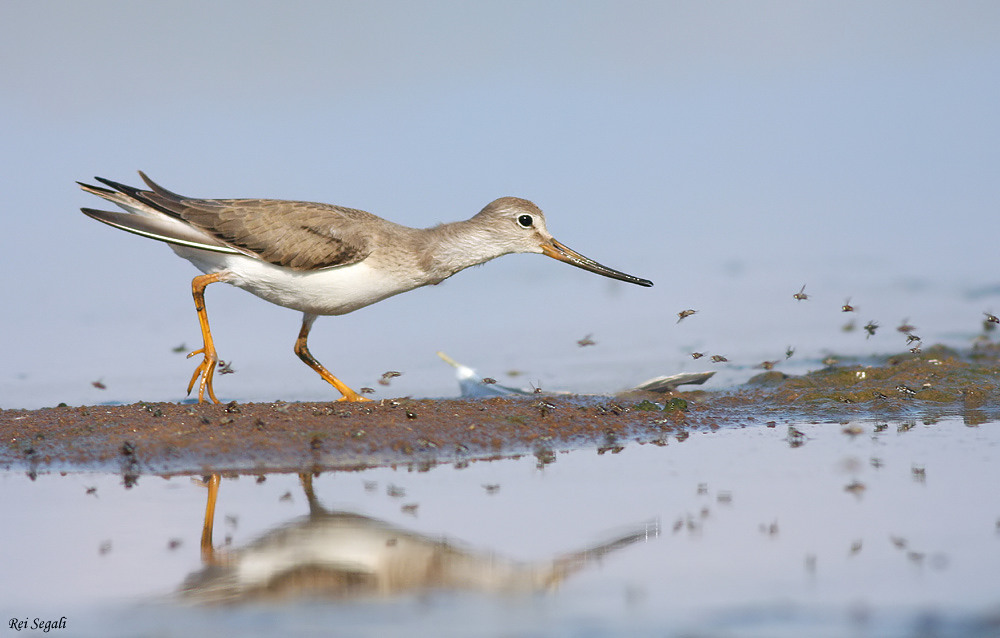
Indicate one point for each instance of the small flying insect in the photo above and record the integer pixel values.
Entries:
(684, 314)
(489, 380)
(905, 327)
(586, 341)
(367, 390)
(767, 365)
(718, 358)
(179, 349)
(849, 326)
(910, 338)
(991, 318)
(697, 355)
(388, 376)
(847, 307)
(99, 384)
(916, 349)
(870, 328)
(225, 367)
(801, 294)
(855, 487)
(789, 351)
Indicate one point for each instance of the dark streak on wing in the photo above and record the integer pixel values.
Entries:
(341, 252)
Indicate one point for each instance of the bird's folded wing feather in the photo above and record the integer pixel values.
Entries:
(297, 235)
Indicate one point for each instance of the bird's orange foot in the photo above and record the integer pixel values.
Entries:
(352, 396)
(205, 370)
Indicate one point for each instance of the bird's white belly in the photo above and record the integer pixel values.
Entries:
(332, 291)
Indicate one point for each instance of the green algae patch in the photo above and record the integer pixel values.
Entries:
(646, 406)
(674, 403)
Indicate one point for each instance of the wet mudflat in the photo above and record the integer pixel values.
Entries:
(255, 437)
(165, 437)
(857, 500)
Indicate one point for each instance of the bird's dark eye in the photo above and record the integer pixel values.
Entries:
(525, 221)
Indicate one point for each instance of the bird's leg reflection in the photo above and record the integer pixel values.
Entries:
(208, 554)
(306, 479)
(207, 548)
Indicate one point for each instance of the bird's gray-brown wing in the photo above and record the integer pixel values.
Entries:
(297, 235)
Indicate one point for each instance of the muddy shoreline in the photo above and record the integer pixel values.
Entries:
(171, 438)
(258, 437)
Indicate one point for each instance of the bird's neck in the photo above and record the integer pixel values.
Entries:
(456, 246)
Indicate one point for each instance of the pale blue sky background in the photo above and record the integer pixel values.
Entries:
(728, 152)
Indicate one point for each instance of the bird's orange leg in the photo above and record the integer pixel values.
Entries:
(207, 549)
(205, 369)
(302, 350)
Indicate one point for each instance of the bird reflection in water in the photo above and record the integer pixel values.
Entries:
(330, 554)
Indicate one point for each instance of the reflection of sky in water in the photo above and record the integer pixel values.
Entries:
(756, 534)
(730, 155)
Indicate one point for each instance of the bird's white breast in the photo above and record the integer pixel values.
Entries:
(332, 291)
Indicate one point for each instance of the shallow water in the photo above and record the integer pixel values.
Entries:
(892, 531)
